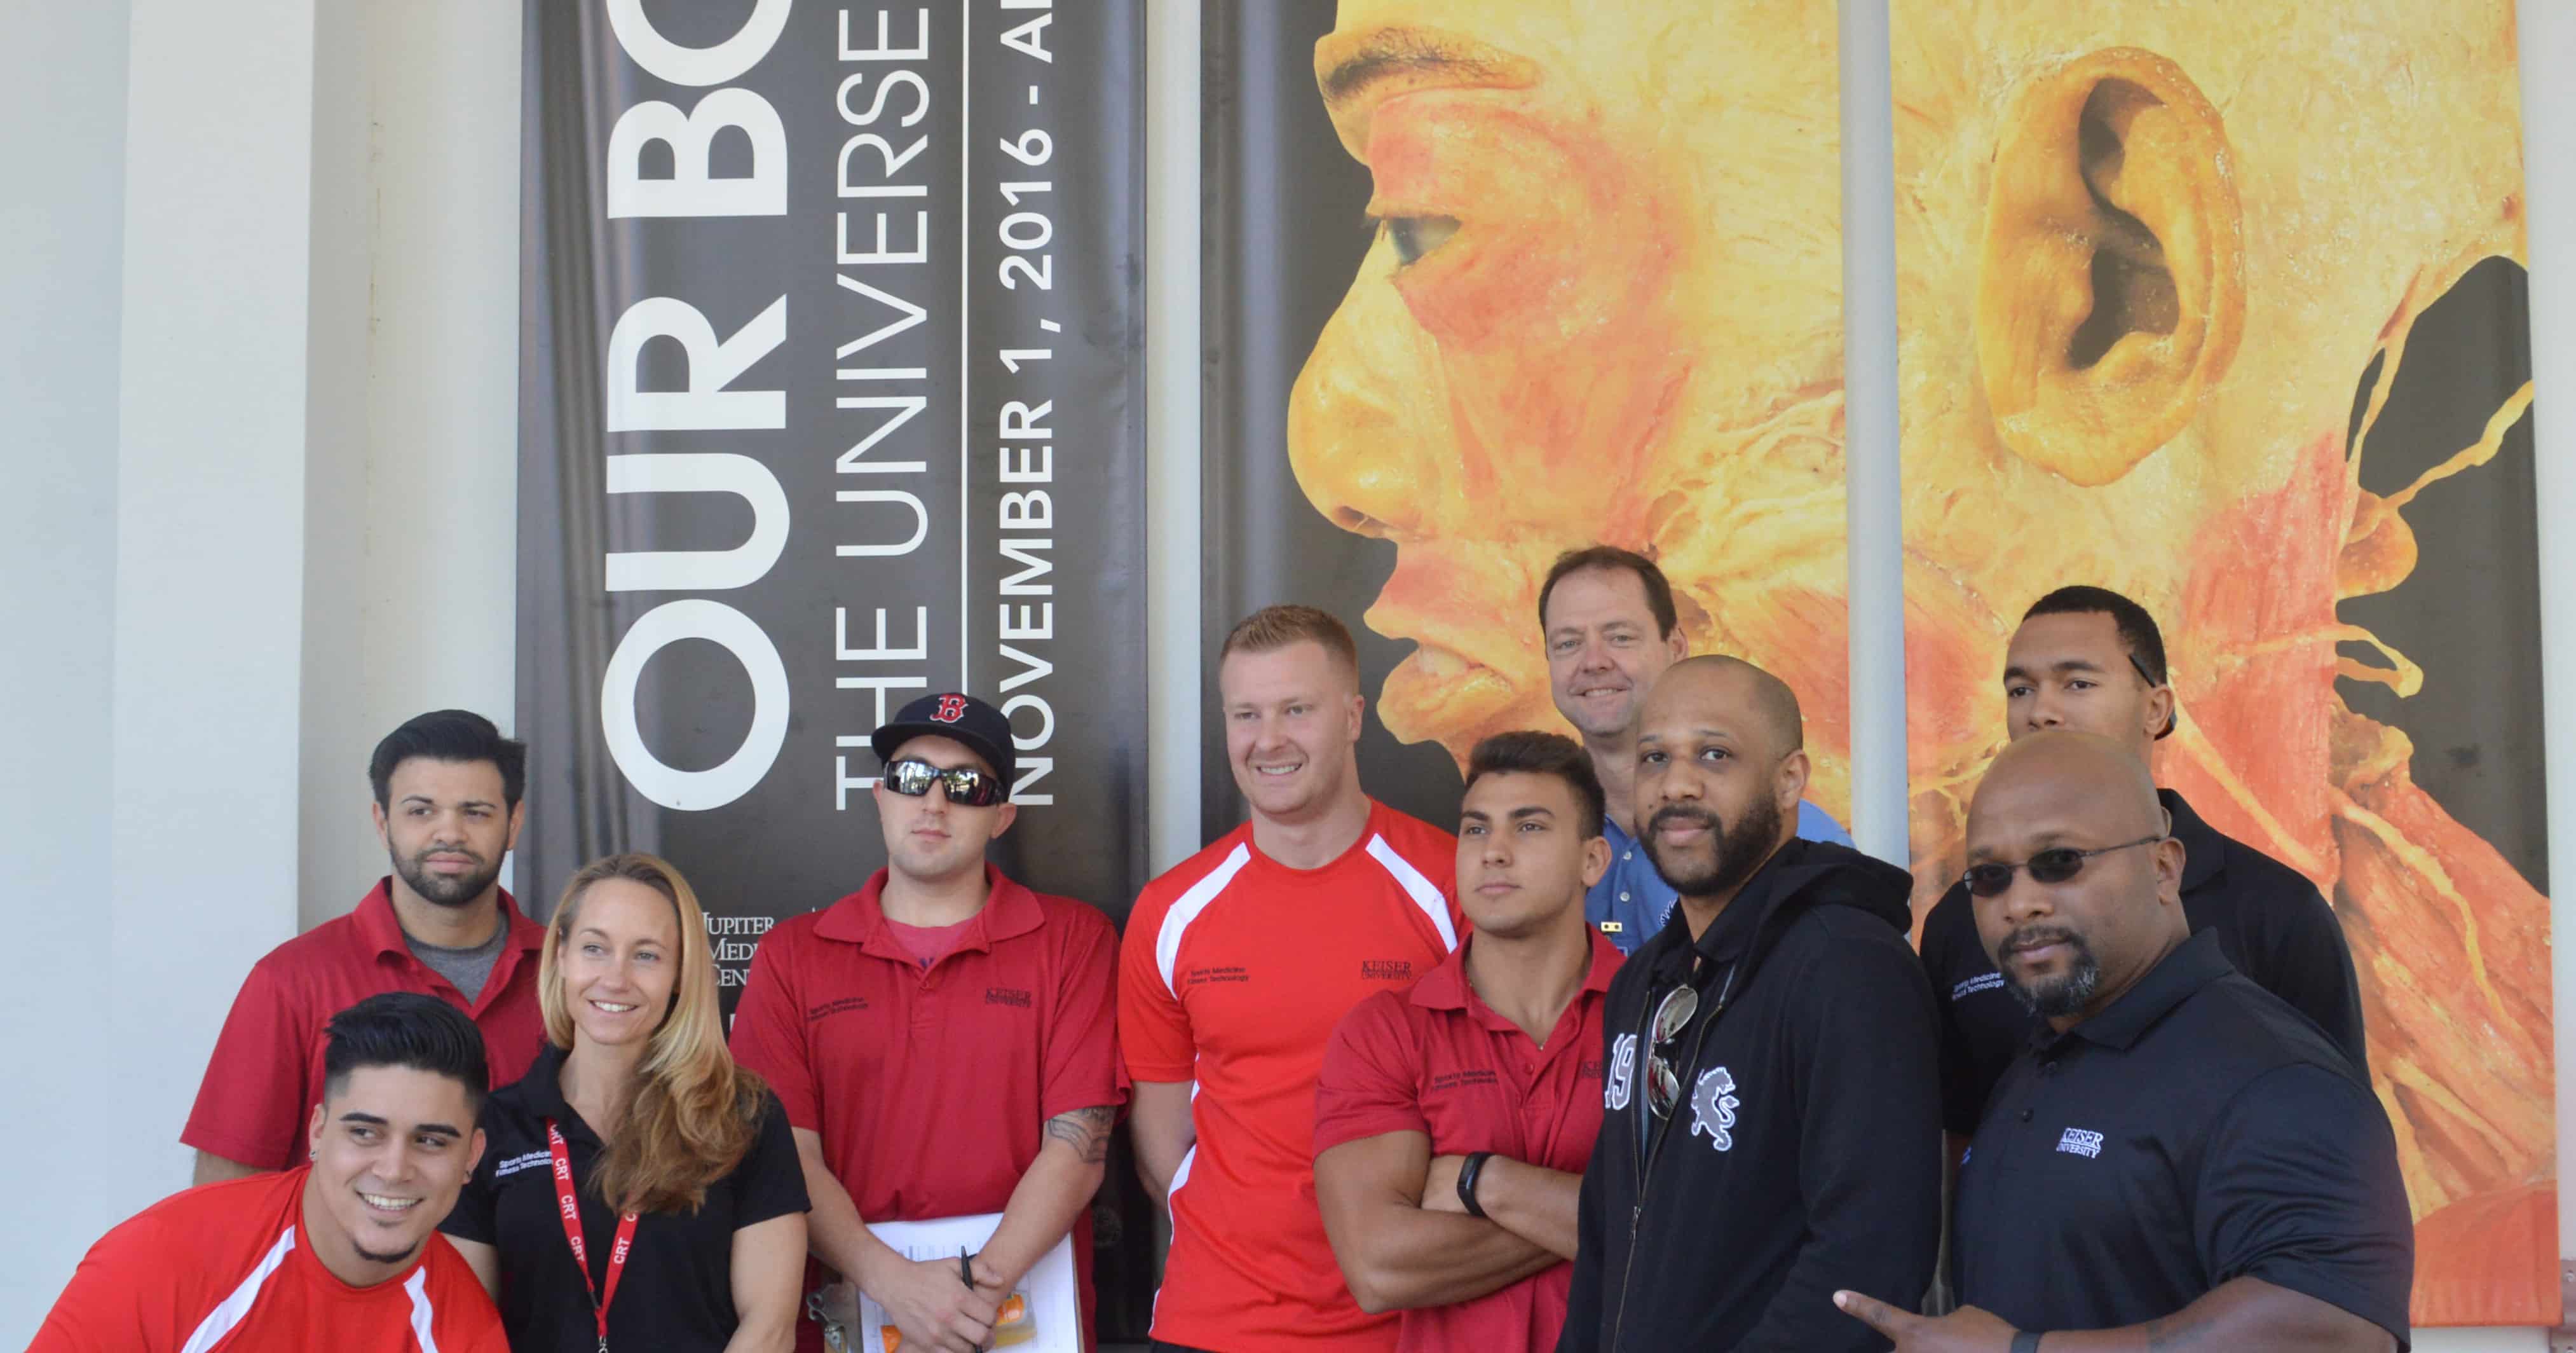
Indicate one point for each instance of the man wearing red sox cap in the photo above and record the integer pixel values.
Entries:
(944, 1040)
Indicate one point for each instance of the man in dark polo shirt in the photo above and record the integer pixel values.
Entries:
(447, 811)
(2092, 660)
(2178, 1158)
(944, 1040)
(1453, 1118)
(1772, 1128)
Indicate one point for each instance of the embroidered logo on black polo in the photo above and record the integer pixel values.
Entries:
(1386, 970)
(1010, 996)
(1989, 981)
(1623, 1073)
(533, 1160)
(2078, 1142)
(1713, 1105)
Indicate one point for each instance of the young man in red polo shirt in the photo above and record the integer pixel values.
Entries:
(1236, 966)
(447, 810)
(944, 1040)
(1453, 1121)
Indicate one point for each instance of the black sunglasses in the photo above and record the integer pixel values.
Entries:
(966, 786)
(2054, 865)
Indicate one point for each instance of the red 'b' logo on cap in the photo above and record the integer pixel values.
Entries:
(951, 709)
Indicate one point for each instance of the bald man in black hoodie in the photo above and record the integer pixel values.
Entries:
(1774, 1106)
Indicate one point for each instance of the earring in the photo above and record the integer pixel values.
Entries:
(313, 1153)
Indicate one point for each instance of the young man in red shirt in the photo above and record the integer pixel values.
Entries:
(1236, 966)
(944, 1040)
(340, 1253)
(447, 810)
(1453, 1121)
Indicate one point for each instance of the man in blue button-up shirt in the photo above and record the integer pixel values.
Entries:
(1608, 623)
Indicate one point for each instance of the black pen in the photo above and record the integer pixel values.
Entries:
(965, 1268)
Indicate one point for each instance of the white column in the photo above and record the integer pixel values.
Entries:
(1173, 643)
(210, 518)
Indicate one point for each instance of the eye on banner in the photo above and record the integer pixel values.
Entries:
(1489, 282)
(831, 397)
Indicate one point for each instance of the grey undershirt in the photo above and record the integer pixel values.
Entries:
(465, 969)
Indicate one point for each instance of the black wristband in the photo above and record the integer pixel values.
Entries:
(2025, 1341)
(1473, 1166)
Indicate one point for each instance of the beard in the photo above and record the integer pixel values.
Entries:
(2057, 997)
(1737, 856)
(444, 890)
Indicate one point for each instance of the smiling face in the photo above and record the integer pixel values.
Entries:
(392, 1146)
(1603, 652)
(1604, 305)
(446, 829)
(1523, 858)
(620, 962)
(1292, 720)
(929, 839)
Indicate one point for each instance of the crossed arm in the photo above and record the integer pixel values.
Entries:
(1404, 1239)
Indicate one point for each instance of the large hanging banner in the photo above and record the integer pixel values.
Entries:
(831, 396)
(1488, 282)
(2222, 306)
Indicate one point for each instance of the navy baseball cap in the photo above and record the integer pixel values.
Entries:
(982, 729)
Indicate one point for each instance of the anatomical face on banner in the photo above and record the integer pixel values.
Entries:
(1598, 299)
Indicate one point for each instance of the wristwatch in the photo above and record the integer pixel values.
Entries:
(2025, 1341)
(1467, 1171)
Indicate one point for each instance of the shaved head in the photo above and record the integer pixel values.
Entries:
(2096, 778)
(1753, 697)
(2090, 893)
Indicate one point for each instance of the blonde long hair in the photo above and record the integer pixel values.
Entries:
(694, 1113)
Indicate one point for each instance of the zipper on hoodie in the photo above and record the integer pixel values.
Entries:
(1646, 1156)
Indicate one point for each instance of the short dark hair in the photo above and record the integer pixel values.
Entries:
(449, 735)
(2144, 643)
(409, 1030)
(1543, 754)
(1659, 591)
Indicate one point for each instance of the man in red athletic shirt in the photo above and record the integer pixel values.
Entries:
(1235, 968)
(340, 1253)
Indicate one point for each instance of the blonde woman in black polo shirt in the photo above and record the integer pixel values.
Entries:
(691, 1202)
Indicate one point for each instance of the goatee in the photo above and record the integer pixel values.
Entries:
(2058, 997)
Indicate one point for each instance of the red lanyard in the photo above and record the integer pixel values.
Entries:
(570, 1207)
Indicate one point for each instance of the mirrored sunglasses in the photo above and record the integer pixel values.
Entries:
(966, 786)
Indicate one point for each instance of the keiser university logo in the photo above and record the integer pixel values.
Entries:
(1616, 1091)
(2078, 1142)
(1713, 1105)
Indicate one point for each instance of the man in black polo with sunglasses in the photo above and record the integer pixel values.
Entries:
(1771, 1132)
(2090, 660)
(944, 1041)
(2178, 1158)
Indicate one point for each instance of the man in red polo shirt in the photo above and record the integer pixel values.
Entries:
(944, 1040)
(1236, 966)
(1453, 1121)
(447, 810)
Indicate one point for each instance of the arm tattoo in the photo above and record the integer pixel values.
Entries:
(1086, 1131)
(2174, 1332)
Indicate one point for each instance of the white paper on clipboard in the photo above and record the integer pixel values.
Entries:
(1042, 1315)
